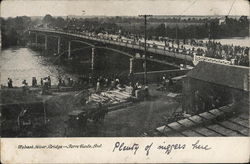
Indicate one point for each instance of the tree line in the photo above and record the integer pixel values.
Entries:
(14, 29)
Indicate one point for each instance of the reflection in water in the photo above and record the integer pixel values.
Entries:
(23, 63)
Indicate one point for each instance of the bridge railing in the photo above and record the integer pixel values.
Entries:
(197, 59)
(155, 48)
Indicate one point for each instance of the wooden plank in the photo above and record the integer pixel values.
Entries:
(119, 106)
(169, 131)
(175, 135)
(244, 122)
(175, 126)
(197, 119)
(234, 127)
(206, 132)
(123, 94)
(223, 131)
(225, 108)
(228, 127)
(216, 112)
(191, 133)
(164, 129)
(239, 121)
(215, 131)
(207, 116)
(161, 128)
(244, 116)
(188, 126)
(245, 131)
(186, 122)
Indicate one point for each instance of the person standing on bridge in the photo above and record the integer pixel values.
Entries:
(41, 81)
(49, 82)
(34, 82)
(25, 86)
(10, 83)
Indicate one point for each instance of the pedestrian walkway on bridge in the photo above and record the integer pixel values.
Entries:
(234, 54)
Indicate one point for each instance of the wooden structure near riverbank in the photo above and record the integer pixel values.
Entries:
(224, 121)
(217, 98)
(211, 85)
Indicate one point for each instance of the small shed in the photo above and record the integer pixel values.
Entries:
(211, 85)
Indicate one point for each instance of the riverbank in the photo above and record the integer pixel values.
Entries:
(127, 119)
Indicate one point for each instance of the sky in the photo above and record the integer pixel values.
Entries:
(13, 8)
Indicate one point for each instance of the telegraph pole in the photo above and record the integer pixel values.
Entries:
(209, 30)
(176, 35)
(145, 47)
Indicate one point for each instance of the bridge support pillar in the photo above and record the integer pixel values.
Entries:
(46, 43)
(92, 60)
(30, 39)
(131, 71)
(58, 45)
(36, 39)
(131, 63)
(69, 49)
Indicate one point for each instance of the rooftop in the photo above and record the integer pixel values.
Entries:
(217, 122)
(227, 75)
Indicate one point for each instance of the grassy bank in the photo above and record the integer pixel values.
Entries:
(16, 96)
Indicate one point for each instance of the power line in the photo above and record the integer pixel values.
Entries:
(189, 7)
(231, 7)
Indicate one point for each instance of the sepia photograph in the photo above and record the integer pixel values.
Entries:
(123, 68)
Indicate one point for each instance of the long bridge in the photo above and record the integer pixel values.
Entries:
(135, 50)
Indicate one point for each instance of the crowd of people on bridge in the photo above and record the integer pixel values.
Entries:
(237, 55)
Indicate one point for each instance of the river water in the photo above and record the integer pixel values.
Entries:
(23, 63)
(20, 63)
(236, 41)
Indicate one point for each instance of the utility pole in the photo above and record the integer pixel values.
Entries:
(165, 32)
(209, 30)
(145, 47)
(176, 35)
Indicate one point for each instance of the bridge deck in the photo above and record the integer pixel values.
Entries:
(124, 43)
